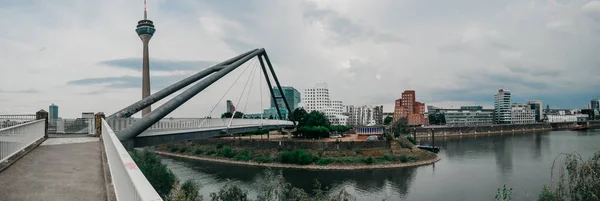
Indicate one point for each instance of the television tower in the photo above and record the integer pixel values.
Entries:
(145, 29)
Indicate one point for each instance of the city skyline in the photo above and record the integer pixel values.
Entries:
(486, 42)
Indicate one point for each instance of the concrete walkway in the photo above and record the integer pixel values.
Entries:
(59, 169)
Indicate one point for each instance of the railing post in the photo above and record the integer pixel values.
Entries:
(42, 114)
(98, 118)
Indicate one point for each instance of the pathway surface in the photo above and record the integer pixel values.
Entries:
(59, 169)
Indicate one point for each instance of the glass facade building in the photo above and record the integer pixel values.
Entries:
(292, 97)
(53, 111)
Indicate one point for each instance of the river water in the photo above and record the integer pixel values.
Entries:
(472, 168)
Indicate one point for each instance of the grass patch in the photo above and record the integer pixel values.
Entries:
(368, 160)
(324, 161)
(358, 151)
(388, 157)
(210, 152)
(226, 152)
(183, 149)
(174, 149)
(262, 159)
(219, 145)
(412, 140)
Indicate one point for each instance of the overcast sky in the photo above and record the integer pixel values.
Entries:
(85, 56)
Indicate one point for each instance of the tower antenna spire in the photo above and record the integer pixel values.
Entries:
(145, 11)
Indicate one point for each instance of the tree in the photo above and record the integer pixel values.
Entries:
(388, 120)
(400, 127)
(238, 115)
(317, 118)
(437, 119)
(300, 115)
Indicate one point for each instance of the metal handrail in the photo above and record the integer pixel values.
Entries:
(16, 138)
(128, 181)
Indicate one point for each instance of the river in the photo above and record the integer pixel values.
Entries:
(472, 168)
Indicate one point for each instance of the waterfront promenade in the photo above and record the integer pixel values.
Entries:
(61, 168)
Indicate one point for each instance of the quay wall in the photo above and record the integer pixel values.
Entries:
(482, 129)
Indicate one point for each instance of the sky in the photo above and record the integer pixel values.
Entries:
(85, 56)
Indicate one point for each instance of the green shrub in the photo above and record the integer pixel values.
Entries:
(389, 157)
(403, 158)
(297, 156)
(413, 141)
(183, 149)
(226, 152)
(198, 151)
(358, 151)
(368, 160)
(245, 155)
(210, 152)
(174, 149)
(405, 145)
(159, 176)
(324, 161)
(262, 159)
(219, 145)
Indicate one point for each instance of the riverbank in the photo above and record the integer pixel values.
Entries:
(308, 167)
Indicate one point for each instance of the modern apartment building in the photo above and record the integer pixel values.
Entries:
(521, 114)
(536, 106)
(595, 104)
(408, 107)
(317, 98)
(363, 115)
(502, 108)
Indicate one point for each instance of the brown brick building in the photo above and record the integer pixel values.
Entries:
(408, 107)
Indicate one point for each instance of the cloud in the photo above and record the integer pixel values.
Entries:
(25, 91)
(125, 82)
(158, 64)
(592, 9)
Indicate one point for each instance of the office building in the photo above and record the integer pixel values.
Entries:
(317, 98)
(272, 112)
(230, 107)
(145, 30)
(595, 104)
(536, 106)
(53, 112)
(521, 114)
(466, 115)
(292, 96)
(408, 107)
(558, 118)
(502, 108)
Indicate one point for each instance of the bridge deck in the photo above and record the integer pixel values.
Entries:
(58, 169)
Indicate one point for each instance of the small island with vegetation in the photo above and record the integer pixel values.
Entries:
(311, 148)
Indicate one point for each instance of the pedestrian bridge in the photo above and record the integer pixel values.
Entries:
(181, 129)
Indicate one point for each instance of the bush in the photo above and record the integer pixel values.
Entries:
(358, 151)
(245, 155)
(411, 140)
(174, 149)
(226, 152)
(210, 152)
(198, 151)
(219, 145)
(578, 179)
(403, 158)
(389, 157)
(368, 160)
(324, 161)
(262, 159)
(159, 176)
(230, 192)
(405, 145)
(297, 156)
(183, 149)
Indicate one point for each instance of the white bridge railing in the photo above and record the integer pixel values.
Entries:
(128, 181)
(192, 123)
(16, 138)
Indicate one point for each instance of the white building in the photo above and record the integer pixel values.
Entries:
(502, 107)
(557, 118)
(365, 115)
(521, 114)
(317, 98)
